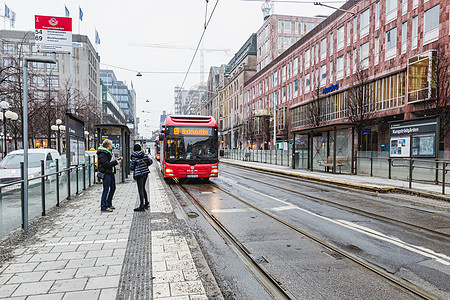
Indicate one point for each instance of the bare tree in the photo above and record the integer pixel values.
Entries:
(360, 103)
(314, 106)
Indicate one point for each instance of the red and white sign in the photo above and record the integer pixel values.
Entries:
(53, 34)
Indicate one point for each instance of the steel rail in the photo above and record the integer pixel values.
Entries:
(367, 265)
(266, 280)
(346, 207)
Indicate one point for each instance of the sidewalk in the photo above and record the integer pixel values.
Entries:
(80, 253)
(364, 182)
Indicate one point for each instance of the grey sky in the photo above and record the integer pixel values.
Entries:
(175, 22)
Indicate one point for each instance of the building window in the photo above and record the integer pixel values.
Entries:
(355, 25)
(331, 44)
(279, 26)
(348, 63)
(431, 25)
(376, 50)
(354, 61)
(364, 55)
(23, 48)
(287, 26)
(404, 37)
(414, 32)
(53, 80)
(284, 93)
(323, 49)
(312, 56)
(340, 67)
(301, 63)
(296, 27)
(420, 77)
(295, 66)
(300, 85)
(391, 43)
(331, 71)
(317, 53)
(302, 27)
(7, 62)
(307, 83)
(309, 26)
(307, 58)
(279, 42)
(275, 78)
(323, 75)
(377, 15)
(8, 48)
(415, 3)
(404, 6)
(283, 73)
(364, 23)
(391, 10)
(287, 42)
(295, 88)
(340, 38)
(348, 32)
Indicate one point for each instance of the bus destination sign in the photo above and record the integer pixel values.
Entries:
(195, 131)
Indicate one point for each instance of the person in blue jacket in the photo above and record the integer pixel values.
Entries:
(139, 164)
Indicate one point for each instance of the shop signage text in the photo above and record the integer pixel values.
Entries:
(331, 88)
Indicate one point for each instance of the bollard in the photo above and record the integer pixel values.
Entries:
(22, 191)
(43, 187)
(410, 172)
(68, 182)
(57, 182)
(84, 177)
(389, 168)
(444, 170)
(371, 163)
(90, 172)
(436, 180)
(76, 176)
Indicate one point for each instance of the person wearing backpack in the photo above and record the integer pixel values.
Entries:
(106, 172)
(139, 164)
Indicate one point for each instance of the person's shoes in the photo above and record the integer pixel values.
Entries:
(107, 210)
(112, 207)
(146, 206)
(140, 208)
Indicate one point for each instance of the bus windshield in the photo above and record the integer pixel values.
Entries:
(191, 149)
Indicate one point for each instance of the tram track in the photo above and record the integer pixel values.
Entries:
(270, 283)
(340, 205)
(267, 281)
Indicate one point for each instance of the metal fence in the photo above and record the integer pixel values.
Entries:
(409, 169)
(367, 163)
(44, 192)
(274, 157)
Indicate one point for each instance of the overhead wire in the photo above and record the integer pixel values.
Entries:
(198, 46)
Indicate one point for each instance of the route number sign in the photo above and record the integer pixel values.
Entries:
(53, 34)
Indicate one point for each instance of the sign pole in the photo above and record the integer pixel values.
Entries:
(274, 123)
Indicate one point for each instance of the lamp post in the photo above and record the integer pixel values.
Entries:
(58, 129)
(5, 106)
(13, 117)
(86, 133)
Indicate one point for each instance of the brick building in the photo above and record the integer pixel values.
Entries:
(348, 82)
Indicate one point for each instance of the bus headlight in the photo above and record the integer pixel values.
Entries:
(214, 170)
(169, 171)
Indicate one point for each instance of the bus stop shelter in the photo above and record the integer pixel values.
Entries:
(120, 137)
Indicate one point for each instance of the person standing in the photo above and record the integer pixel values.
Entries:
(139, 164)
(106, 166)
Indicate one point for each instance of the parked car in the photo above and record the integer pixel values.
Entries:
(10, 165)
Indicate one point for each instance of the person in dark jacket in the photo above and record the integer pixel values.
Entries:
(106, 166)
(139, 164)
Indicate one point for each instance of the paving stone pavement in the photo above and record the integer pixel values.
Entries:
(87, 254)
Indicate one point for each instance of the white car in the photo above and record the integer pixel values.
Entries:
(10, 165)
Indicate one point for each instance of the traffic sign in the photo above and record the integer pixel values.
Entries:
(53, 34)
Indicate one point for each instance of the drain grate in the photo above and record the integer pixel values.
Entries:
(136, 278)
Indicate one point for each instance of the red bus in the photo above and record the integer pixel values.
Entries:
(190, 147)
(157, 148)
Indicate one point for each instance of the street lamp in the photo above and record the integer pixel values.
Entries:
(86, 133)
(58, 127)
(13, 117)
(5, 106)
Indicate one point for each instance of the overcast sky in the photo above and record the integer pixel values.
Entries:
(121, 24)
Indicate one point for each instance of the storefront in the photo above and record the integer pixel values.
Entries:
(327, 148)
(417, 138)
